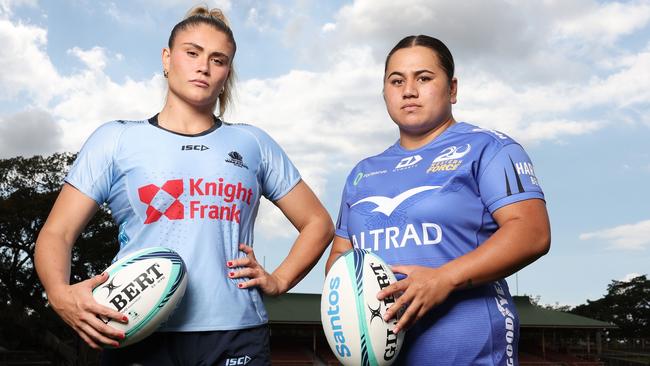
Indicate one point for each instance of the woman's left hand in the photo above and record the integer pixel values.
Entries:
(258, 277)
(422, 289)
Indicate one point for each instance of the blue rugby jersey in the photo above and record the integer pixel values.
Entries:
(196, 194)
(433, 204)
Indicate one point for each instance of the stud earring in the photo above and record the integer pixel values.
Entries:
(165, 74)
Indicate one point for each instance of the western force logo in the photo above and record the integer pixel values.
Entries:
(449, 159)
(163, 200)
(387, 205)
(236, 159)
(408, 162)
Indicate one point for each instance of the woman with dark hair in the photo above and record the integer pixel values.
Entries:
(186, 180)
(453, 208)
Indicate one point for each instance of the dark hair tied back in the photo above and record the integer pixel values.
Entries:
(444, 55)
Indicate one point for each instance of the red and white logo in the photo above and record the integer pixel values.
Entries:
(163, 200)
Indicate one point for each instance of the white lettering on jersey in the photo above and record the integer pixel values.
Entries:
(395, 238)
(387, 205)
(502, 305)
(452, 152)
(497, 133)
(407, 162)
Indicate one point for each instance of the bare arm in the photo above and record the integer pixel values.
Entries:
(523, 236)
(340, 246)
(74, 303)
(315, 228)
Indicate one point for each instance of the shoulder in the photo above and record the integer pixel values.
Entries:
(246, 129)
(373, 165)
(253, 133)
(480, 135)
(117, 127)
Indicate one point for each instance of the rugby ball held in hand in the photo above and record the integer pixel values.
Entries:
(145, 286)
(352, 316)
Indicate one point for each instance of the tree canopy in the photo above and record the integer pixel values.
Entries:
(28, 189)
(626, 304)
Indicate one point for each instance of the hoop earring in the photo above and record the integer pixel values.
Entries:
(165, 74)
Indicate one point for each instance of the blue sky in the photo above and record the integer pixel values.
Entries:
(570, 81)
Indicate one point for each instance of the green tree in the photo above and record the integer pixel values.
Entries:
(28, 189)
(626, 304)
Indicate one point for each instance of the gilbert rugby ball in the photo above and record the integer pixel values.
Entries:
(352, 316)
(145, 286)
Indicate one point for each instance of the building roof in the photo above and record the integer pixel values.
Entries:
(305, 309)
(293, 308)
(533, 316)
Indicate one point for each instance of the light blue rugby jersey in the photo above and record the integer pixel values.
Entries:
(197, 195)
(431, 205)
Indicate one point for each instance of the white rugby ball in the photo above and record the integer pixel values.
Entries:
(145, 286)
(352, 316)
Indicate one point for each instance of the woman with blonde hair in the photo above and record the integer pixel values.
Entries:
(186, 180)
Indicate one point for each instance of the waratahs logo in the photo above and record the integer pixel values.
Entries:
(163, 201)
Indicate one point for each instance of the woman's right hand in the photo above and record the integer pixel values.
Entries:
(77, 307)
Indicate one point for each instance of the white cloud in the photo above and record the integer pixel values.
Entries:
(605, 22)
(26, 67)
(78, 102)
(27, 133)
(628, 277)
(94, 59)
(7, 6)
(326, 119)
(328, 27)
(628, 237)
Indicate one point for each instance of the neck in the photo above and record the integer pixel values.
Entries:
(415, 140)
(184, 118)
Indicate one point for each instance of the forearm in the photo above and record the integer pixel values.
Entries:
(512, 247)
(309, 246)
(339, 246)
(52, 257)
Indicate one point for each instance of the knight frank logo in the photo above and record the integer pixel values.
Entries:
(163, 200)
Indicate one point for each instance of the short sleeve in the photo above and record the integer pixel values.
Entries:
(92, 171)
(508, 177)
(278, 174)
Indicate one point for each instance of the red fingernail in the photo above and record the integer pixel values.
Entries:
(231, 274)
(125, 319)
(240, 285)
(229, 264)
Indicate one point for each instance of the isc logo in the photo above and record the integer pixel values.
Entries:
(243, 360)
(194, 147)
